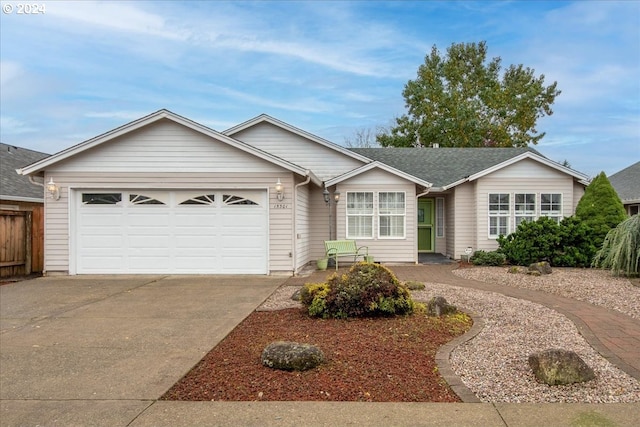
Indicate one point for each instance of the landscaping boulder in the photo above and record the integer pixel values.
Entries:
(296, 295)
(438, 306)
(291, 356)
(556, 367)
(539, 268)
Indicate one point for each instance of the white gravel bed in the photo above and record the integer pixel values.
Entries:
(494, 363)
(596, 287)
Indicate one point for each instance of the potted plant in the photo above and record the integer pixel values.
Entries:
(322, 263)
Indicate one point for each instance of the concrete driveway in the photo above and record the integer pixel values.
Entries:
(97, 350)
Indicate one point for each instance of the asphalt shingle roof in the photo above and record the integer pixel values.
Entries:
(627, 182)
(12, 184)
(442, 166)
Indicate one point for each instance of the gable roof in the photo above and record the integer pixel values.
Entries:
(627, 183)
(152, 118)
(265, 118)
(377, 165)
(448, 167)
(14, 186)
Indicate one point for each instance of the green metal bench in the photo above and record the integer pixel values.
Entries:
(337, 248)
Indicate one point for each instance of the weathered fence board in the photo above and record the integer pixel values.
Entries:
(21, 242)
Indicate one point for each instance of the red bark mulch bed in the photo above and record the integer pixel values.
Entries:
(375, 359)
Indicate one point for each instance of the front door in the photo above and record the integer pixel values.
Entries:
(425, 225)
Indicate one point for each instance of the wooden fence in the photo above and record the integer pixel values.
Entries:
(21, 242)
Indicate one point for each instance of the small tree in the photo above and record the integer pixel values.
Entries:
(621, 249)
(600, 208)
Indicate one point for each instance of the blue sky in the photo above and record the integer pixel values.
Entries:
(331, 68)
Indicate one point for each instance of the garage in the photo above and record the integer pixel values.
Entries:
(171, 231)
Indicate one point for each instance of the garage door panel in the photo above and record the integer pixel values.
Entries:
(101, 263)
(148, 218)
(242, 264)
(111, 219)
(102, 241)
(211, 236)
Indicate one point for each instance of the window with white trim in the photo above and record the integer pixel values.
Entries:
(359, 215)
(524, 207)
(439, 216)
(499, 214)
(391, 214)
(551, 206)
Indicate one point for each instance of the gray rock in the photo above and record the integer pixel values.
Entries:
(296, 295)
(291, 356)
(556, 366)
(438, 306)
(540, 268)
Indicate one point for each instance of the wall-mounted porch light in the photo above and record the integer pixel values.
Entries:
(279, 190)
(327, 200)
(53, 191)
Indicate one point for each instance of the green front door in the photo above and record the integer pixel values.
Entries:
(425, 225)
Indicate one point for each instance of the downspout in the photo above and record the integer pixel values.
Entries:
(294, 237)
(41, 184)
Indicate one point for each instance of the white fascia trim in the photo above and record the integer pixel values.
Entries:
(154, 117)
(527, 155)
(21, 199)
(378, 165)
(279, 123)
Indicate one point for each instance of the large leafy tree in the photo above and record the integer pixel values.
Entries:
(462, 100)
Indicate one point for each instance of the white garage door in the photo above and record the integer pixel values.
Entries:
(178, 232)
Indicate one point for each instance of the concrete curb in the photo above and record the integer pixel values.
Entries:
(444, 366)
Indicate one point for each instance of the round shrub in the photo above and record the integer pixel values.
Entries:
(366, 290)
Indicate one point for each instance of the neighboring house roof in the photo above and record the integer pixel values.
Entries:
(627, 183)
(17, 187)
(448, 167)
(152, 118)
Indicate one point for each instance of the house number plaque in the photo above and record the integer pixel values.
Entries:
(280, 206)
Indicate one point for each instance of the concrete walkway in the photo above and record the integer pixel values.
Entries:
(100, 351)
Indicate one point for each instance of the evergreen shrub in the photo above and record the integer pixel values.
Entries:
(493, 258)
(366, 290)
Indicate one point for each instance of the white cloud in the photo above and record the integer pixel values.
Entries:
(305, 104)
(117, 16)
(13, 126)
(9, 71)
(123, 115)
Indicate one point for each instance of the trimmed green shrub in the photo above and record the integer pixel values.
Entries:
(533, 241)
(600, 208)
(577, 247)
(366, 290)
(567, 244)
(620, 251)
(488, 258)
